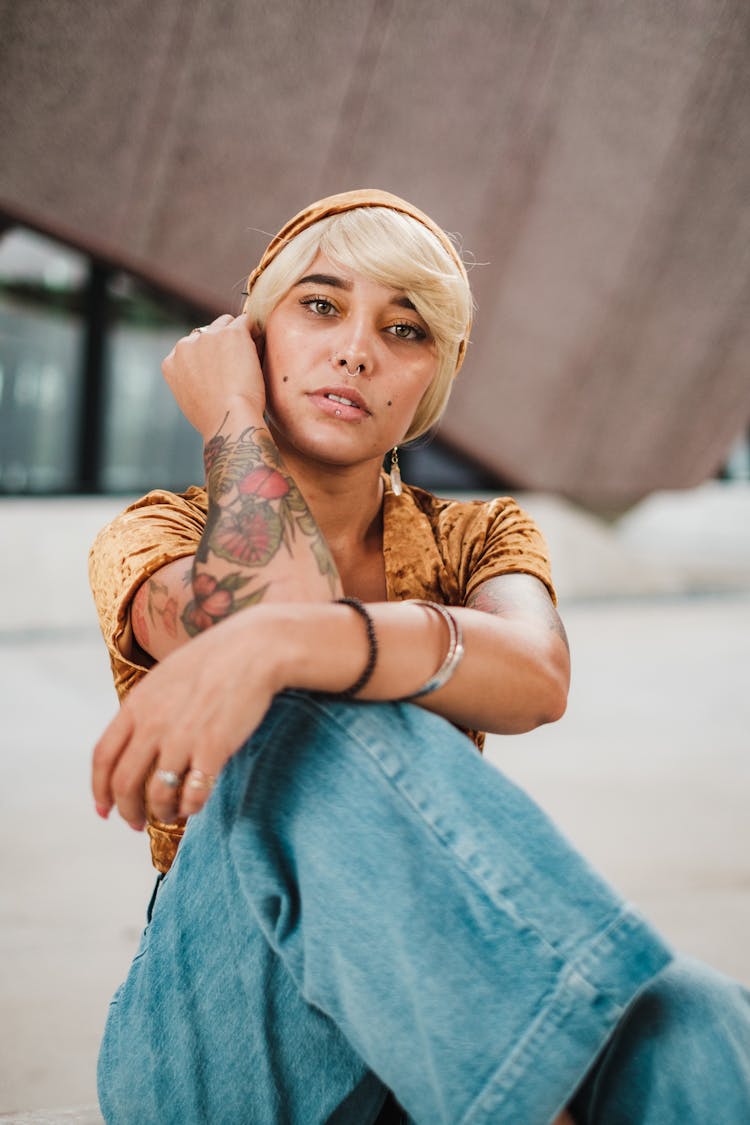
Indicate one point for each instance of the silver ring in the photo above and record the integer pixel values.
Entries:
(203, 328)
(197, 779)
(169, 778)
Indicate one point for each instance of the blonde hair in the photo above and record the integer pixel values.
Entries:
(395, 250)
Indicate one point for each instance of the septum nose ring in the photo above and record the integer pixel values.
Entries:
(342, 362)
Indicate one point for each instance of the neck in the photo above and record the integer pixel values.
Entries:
(346, 500)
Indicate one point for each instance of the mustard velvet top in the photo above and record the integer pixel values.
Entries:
(441, 550)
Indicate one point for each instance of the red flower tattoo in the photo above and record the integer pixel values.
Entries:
(264, 482)
(195, 619)
(250, 537)
(218, 604)
(214, 600)
(204, 585)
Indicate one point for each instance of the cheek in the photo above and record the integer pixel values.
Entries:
(401, 405)
(418, 387)
(290, 352)
(276, 368)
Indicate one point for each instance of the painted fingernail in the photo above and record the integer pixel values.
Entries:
(137, 825)
(102, 811)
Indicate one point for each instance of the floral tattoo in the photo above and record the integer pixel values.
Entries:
(216, 599)
(161, 605)
(255, 509)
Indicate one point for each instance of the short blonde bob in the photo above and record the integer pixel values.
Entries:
(392, 249)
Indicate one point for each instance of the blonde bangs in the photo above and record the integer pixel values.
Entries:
(392, 249)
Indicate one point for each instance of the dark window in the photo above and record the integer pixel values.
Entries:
(41, 363)
(146, 442)
(83, 406)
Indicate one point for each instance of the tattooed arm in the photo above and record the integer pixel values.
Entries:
(259, 527)
(205, 698)
(260, 541)
(202, 702)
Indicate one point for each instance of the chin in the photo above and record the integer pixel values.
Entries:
(323, 444)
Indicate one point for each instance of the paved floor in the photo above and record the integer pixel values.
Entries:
(649, 773)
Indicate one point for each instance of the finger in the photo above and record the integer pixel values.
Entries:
(106, 754)
(220, 322)
(164, 790)
(129, 781)
(244, 322)
(201, 330)
(250, 325)
(196, 790)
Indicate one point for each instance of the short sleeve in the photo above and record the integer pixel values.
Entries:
(158, 529)
(505, 541)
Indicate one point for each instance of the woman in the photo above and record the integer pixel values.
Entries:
(363, 904)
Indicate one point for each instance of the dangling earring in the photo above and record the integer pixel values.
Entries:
(395, 473)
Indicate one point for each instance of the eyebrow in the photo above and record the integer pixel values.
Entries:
(325, 279)
(340, 283)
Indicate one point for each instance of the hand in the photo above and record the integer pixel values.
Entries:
(208, 370)
(191, 712)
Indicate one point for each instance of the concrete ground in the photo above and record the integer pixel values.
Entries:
(649, 771)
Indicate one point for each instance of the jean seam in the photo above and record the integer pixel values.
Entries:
(571, 987)
(547, 1022)
(557, 1004)
(552, 1017)
(469, 872)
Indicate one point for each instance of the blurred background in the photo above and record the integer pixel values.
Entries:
(593, 159)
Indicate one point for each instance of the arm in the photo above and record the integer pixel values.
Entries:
(261, 542)
(205, 699)
(282, 631)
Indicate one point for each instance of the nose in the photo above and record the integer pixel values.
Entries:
(355, 342)
(351, 362)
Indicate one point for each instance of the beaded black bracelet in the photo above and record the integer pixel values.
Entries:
(372, 644)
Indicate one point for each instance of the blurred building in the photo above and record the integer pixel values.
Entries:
(594, 156)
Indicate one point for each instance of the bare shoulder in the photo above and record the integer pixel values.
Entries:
(518, 597)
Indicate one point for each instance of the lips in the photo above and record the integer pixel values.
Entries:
(342, 397)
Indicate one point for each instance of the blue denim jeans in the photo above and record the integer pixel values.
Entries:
(366, 904)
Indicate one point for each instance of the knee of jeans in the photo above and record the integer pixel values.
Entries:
(371, 724)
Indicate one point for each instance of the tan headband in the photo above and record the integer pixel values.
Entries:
(350, 201)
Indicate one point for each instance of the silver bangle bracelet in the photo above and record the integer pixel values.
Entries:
(454, 654)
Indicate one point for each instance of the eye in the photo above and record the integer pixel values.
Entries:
(320, 306)
(406, 331)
